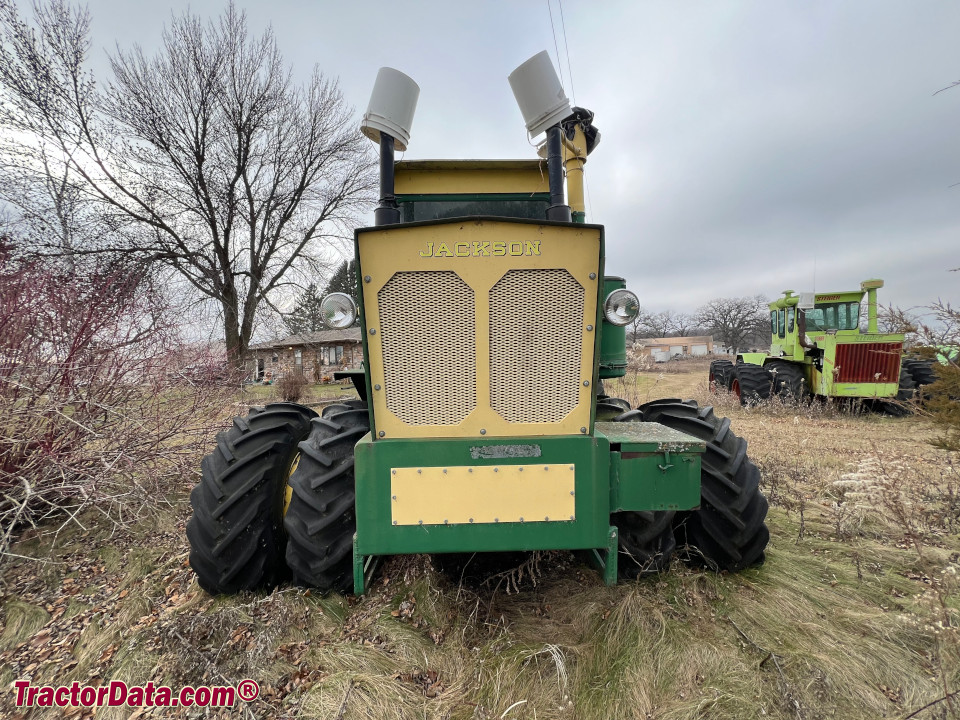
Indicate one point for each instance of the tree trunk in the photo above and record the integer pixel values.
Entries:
(232, 336)
(235, 352)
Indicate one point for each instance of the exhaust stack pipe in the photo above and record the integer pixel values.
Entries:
(387, 121)
(871, 287)
(558, 209)
(387, 212)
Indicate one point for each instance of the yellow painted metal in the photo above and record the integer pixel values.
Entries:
(575, 248)
(287, 489)
(574, 158)
(872, 325)
(574, 167)
(483, 494)
(430, 177)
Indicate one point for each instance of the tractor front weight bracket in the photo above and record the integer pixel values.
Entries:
(363, 567)
(605, 561)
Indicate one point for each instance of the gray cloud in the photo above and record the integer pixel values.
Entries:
(742, 142)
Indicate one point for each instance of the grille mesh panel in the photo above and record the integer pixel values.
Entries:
(868, 362)
(429, 345)
(535, 345)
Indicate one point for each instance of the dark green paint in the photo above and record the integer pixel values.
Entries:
(415, 208)
(363, 569)
(376, 535)
(652, 467)
(604, 560)
(613, 338)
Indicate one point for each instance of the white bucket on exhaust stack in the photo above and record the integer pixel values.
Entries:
(392, 105)
(539, 94)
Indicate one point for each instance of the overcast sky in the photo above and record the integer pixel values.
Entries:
(747, 147)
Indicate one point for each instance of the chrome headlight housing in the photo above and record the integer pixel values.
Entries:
(338, 310)
(621, 307)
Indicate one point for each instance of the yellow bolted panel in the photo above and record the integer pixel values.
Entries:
(482, 494)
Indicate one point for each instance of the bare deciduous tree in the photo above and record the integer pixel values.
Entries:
(636, 329)
(933, 334)
(206, 158)
(891, 319)
(656, 324)
(682, 325)
(661, 324)
(941, 335)
(734, 321)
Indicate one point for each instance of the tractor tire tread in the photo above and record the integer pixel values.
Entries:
(321, 519)
(646, 542)
(728, 531)
(789, 381)
(235, 533)
(756, 383)
(921, 371)
(720, 375)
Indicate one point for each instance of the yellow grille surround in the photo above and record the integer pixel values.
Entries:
(480, 327)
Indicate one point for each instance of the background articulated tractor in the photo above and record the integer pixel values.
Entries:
(818, 348)
(488, 327)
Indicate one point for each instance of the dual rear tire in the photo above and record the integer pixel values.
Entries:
(721, 375)
(921, 371)
(789, 382)
(321, 520)
(754, 383)
(728, 531)
(237, 540)
(276, 500)
(901, 405)
(751, 383)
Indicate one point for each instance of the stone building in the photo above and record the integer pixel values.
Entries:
(315, 355)
(661, 349)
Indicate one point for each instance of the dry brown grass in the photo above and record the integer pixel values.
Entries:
(853, 616)
(645, 380)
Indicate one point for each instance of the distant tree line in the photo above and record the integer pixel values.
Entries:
(933, 333)
(737, 323)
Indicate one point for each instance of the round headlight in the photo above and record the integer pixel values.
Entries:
(338, 310)
(621, 307)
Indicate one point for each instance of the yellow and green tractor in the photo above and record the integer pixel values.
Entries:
(480, 424)
(818, 348)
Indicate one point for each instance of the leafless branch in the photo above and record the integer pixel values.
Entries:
(205, 157)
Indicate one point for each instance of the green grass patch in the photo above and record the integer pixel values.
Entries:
(22, 621)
